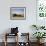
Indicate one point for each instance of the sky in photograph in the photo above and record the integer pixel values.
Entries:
(18, 11)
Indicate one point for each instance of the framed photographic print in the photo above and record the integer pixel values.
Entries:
(18, 13)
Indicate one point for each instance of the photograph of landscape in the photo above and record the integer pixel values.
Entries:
(17, 13)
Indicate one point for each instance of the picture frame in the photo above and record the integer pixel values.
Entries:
(17, 13)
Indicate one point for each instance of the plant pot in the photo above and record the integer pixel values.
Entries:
(38, 40)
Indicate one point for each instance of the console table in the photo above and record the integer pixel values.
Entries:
(27, 43)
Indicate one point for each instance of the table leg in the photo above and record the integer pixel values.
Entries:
(5, 40)
(17, 39)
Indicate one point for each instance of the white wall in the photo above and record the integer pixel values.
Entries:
(24, 25)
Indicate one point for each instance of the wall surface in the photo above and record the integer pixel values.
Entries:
(24, 25)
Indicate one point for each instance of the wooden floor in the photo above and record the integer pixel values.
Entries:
(13, 44)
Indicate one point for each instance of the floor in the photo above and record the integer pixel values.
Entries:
(13, 44)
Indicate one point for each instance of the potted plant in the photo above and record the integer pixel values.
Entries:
(35, 26)
(42, 27)
(38, 27)
(39, 35)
